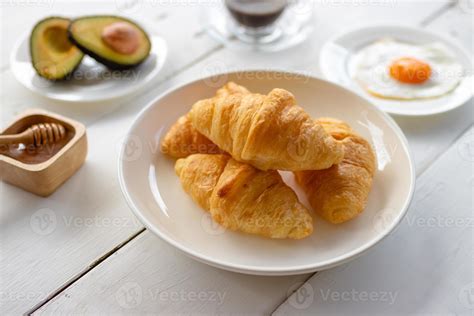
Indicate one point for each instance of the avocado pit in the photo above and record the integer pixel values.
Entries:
(121, 37)
(114, 41)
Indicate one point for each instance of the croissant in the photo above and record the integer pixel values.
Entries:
(183, 139)
(266, 131)
(340, 193)
(231, 88)
(243, 198)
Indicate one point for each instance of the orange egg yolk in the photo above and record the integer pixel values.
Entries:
(410, 70)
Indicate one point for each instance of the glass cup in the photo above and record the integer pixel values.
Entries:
(264, 25)
(255, 20)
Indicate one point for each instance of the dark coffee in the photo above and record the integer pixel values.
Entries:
(256, 13)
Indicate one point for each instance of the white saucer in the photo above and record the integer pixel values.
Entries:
(91, 81)
(293, 27)
(335, 64)
(154, 193)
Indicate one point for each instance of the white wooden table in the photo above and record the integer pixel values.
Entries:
(93, 256)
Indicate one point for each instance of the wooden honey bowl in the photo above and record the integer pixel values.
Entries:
(41, 170)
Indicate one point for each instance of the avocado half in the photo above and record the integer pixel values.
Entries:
(53, 55)
(86, 33)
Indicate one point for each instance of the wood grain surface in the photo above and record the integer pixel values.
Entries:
(82, 251)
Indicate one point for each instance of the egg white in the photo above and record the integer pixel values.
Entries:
(370, 67)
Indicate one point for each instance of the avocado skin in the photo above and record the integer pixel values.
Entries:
(66, 75)
(101, 59)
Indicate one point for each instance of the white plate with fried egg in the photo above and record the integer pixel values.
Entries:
(402, 70)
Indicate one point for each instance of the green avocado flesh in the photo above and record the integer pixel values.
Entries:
(86, 33)
(53, 55)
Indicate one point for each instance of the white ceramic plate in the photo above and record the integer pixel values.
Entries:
(336, 56)
(154, 193)
(91, 81)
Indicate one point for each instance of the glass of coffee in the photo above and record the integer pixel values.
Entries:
(266, 25)
(255, 20)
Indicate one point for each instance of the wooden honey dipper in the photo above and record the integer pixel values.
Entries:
(37, 134)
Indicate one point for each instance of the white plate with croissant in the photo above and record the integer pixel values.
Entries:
(268, 173)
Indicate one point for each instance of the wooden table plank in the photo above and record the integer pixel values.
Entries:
(430, 136)
(457, 23)
(91, 217)
(77, 296)
(453, 22)
(424, 267)
(160, 279)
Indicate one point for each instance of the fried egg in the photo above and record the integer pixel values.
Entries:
(396, 70)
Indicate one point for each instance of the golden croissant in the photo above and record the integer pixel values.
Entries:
(183, 139)
(340, 193)
(266, 131)
(243, 198)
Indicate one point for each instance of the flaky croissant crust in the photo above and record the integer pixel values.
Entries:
(266, 131)
(243, 198)
(340, 193)
(183, 139)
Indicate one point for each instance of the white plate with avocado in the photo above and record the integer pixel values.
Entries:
(74, 62)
